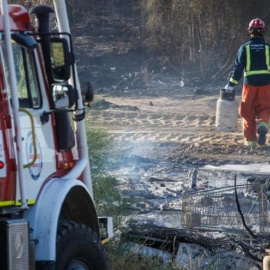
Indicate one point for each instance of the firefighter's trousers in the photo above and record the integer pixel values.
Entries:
(254, 109)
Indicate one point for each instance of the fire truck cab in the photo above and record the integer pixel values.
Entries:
(48, 218)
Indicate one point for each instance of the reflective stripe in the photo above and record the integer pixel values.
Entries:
(31, 201)
(248, 58)
(262, 124)
(233, 81)
(267, 56)
(9, 203)
(250, 143)
(257, 72)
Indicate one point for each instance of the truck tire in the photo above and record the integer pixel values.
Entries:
(77, 248)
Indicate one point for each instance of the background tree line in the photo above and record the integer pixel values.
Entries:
(199, 36)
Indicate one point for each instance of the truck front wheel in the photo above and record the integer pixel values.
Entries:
(77, 248)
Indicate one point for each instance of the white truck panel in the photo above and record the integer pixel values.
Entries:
(43, 216)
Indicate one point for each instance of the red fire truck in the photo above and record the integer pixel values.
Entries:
(48, 218)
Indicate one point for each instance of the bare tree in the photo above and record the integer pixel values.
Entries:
(200, 35)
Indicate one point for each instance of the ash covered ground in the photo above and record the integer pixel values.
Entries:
(162, 124)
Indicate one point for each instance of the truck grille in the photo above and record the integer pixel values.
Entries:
(14, 244)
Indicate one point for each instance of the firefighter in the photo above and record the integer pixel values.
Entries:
(254, 60)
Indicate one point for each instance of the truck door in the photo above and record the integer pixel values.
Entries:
(38, 144)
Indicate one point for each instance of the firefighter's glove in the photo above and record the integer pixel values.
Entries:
(228, 89)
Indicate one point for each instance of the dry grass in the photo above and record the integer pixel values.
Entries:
(121, 257)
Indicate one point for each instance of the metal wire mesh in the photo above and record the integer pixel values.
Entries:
(235, 209)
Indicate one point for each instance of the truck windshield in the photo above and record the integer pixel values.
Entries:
(26, 75)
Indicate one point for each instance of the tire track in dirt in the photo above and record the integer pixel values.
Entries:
(180, 135)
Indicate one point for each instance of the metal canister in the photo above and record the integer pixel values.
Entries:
(226, 112)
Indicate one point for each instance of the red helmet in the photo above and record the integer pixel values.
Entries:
(256, 23)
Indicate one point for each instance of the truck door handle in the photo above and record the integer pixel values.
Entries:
(34, 138)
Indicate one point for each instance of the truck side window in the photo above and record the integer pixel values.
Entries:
(27, 81)
(28, 86)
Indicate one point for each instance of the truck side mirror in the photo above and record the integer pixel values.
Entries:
(60, 59)
(64, 96)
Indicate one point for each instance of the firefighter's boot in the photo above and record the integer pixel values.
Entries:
(262, 131)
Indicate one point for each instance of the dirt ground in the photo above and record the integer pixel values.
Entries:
(181, 127)
(160, 141)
